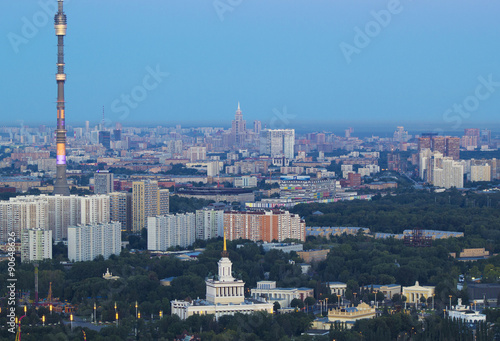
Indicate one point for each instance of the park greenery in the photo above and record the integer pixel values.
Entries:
(358, 260)
(477, 215)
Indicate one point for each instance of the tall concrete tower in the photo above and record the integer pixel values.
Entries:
(61, 184)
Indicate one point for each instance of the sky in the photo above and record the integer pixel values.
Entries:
(327, 65)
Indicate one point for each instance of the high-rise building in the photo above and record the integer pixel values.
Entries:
(446, 145)
(121, 209)
(86, 242)
(103, 182)
(439, 144)
(94, 209)
(277, 142)
(264, 226)
(61, 183)
(209, 224)
(105, 138)
(238, 129)
(147, 201)
(424, 142)
(453, 147)
(117, 135)
(197, 153)
(480, 173)
(485, 137)
(446, 172)
(470, 139)
(53, 213)
(171, 230)
(257, 127)
(36, 245)
(425, 165)
(400, 135)
(163, 202)
(142, 199)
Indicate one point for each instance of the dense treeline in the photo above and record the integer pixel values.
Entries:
(356, 260)
(477, 215)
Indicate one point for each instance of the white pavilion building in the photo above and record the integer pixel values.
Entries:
(225, 296)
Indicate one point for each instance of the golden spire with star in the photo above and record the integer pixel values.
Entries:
(224, 251)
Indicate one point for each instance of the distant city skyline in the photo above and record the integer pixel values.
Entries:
(328, 65)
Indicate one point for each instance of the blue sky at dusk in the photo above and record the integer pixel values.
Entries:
(413, 66)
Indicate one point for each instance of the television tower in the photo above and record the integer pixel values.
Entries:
(61, 184)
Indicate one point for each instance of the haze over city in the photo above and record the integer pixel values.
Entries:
(412, 61)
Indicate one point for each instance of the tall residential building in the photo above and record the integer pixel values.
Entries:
(257, 127)
(171, 230)
(400, 134)
(277, 142)
(470, 139)
(264, 226)
(164, 202)
(485, 137)
(120, 206)
(446, 145)
(197, 153)
(480, 173)
(36, 245)
(103, 182)
(94, 209)
(51, 212)
(446, 172)
(453, 147)
(424, 164)
(238, 129)
(209, 224)
(147, 201)
(86, 242)
(105, 138)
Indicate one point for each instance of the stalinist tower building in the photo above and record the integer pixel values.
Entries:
(225, 296)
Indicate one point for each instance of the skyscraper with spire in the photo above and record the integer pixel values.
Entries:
(238, 129)
(61, 183)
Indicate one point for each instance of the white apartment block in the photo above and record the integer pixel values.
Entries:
(86, 242)
(36, 245)
(245, 182)
(54, 212)
(446, 172)
(209, 224)
(480, 173)
(277, 142)
(171, 230)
